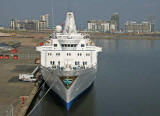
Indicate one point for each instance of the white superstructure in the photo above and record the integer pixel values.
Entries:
(69, 59)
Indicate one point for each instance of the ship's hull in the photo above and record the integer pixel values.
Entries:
(84, 79)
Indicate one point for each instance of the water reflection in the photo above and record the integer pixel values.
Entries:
(108, 45)
(125, 45)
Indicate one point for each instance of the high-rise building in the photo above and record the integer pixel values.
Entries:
(45, 18)
(99, 26)
(113, 27)
(20, 25)
(30, 25)
(143, 27)
(105, 26)
(42, 24)
(115, 20)
(12, 24)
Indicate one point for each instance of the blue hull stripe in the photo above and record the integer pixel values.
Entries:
(68, 105)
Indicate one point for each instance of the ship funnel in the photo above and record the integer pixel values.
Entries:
(70, 26)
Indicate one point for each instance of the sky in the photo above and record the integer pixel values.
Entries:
(135, 10)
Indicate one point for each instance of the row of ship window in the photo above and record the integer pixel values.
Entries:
(76, 63)
(69, 54)
(69, 45)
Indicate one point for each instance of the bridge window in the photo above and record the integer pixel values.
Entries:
(55, 45)
(58, 62)
(77, 63)
(85, 63)
(52, 62)
(69, 45)
(82, 45)
(68, 54)
(79, 54)
(49, 54)
(88, 54)
(57, 54)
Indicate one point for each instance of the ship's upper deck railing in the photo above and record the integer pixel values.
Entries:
(71, 68)
(70, 36)
(71, 47)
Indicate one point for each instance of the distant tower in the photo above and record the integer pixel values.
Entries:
(45, 18)
(115, 19)
(152, 21)
(12, 24)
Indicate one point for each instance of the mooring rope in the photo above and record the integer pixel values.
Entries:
(43, 84)
(41, 99)
(43, 96)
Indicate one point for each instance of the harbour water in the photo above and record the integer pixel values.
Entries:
(127, 84)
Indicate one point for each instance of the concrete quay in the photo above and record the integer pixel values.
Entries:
(13, 91)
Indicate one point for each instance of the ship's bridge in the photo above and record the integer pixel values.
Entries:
(69, 45)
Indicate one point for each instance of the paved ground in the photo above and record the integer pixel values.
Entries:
(10, 87)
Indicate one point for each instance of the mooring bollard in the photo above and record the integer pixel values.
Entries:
(23, 99)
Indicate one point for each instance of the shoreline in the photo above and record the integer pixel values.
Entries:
(125, 38)
(36, 36)
(131, 36)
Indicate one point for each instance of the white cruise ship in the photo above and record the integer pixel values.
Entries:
(69, 61)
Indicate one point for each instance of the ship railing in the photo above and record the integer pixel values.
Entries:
(71, 68)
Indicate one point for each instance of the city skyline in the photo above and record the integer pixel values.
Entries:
(39, 24)
(136, 10)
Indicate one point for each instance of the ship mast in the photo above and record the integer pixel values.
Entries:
(52, 16)
(70, 26)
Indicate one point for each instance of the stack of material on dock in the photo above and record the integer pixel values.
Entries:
(4, 35)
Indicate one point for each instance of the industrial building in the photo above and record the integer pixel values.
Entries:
(42, 24)
(143, 27)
